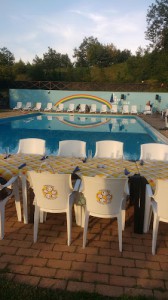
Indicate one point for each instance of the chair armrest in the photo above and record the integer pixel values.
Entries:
(10, 181)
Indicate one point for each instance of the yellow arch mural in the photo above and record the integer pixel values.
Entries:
(84, 96)
(84, 125)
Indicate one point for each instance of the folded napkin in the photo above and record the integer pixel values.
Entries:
(126, 172)
(44, 157)
(22, 166)
(141, 162)
(7, 156)
(76, 170)
(84, 159)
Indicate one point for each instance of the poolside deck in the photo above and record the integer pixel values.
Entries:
(100, 267)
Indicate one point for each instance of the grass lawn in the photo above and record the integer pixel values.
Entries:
(10, 290)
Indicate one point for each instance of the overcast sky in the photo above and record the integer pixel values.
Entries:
(29, 27)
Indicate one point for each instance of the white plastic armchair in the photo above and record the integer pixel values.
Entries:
(154, 151)
(71, 107)
(52, 195)
(18, 106)
(72, 148)
(125, 109)
(133, 109)
(82, 108)
(32, 146)
(48, 107)
(37, 107)
(28, 106)
(13, 185)
(103, 108)
(159, 206)
(93, 108)
(60, 107)
(147, 110)
(105, 198)
(114, 108)
(109, 149)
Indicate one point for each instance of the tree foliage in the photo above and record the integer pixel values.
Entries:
(157, 24)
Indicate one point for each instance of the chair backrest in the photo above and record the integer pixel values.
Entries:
(38, 105)
(104, 196)
(51, 190)
(49, 105)
(109, 149)
(154, 151)
(31, 146)
(28, 105)
(61, 106)
(133, 109)
(147, 107)
(72, 148)
(125, 108)
(93, 107)
(82, 107)
(114, 108)
(103, 108)
(71, 106)
(160, 197)
(19, 105)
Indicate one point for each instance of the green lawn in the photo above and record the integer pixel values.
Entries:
(10, 290)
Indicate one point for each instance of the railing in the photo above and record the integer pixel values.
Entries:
(84, 86)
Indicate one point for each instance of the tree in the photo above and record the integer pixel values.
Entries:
(157, 25)
(81, 54)
(6, 57)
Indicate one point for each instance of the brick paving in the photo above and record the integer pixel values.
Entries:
(100, 267)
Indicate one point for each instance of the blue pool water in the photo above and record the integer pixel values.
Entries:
(54, 128)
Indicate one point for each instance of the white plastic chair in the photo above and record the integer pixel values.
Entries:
(154, 151)
(48, 107)
(159, 205)
(105, 198)
(109, 149)
(71, 107)
(60, 107)
(147, 110)
(93, 108)
(82, 108)
(72, 148)
(52, 195)
(37, 107)
(14, 192)
(18, 106)
(114, 108)
(133, 109)
(125, 109)
(103, 108)
(27, 106)
(32, 146)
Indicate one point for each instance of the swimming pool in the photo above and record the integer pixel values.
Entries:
(130, 130)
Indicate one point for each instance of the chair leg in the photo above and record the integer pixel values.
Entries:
(119, 220)
(2, 221)
(155, 233)
(36, 222)
(86, 221)
(69, 224)
(17, 201)
(123, 219)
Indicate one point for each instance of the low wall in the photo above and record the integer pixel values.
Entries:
(159, 100)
